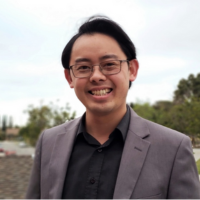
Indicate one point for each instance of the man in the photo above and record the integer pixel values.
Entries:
(110, 152)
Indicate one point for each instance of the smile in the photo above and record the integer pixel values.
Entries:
(100, 92)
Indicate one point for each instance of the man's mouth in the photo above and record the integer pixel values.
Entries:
(100, 92)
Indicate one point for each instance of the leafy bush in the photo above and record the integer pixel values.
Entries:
(43, 117)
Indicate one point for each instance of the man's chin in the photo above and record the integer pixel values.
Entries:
(99, 110)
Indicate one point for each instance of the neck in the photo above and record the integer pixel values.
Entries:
(101, 126)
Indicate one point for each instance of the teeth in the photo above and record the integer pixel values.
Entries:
(100, 92)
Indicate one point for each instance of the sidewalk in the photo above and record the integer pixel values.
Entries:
(196, 154)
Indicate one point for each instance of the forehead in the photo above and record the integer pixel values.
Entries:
(94, 46)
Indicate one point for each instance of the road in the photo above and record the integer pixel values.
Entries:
(14, 146)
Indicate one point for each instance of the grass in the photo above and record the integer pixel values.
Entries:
(198, 165)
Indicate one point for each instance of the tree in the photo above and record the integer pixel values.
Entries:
(185, 118)
(163, 105)
(187, 89)
(61, 114)
(158, 112)
(145, 110)
(10, 122)
(162, 112)
(3, 128)
(42, 117)
(4, 124)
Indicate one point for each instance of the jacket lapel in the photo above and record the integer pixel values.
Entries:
(60, 159)
(133, 157)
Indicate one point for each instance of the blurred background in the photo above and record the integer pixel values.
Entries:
(34, 94)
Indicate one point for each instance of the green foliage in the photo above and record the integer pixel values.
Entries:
(157, 113)
(186, 113)
(198, 165)
(145, 110)
(186, 117)
(2, 136)
(187, 89)
(182, 114)
(42, 117)
(183, 117)
(162, 112)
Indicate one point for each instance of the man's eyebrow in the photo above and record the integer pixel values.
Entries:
(78, 60)
(82, 60)
(109, 56)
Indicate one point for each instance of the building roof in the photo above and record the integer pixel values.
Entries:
(12, 131)
(14, 176)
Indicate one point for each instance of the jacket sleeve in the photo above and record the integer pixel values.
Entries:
(33, 191)
(184, 181)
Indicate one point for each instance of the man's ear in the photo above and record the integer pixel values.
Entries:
(133, 69)
(69, 78)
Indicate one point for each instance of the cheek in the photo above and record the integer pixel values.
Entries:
(79, 87)
(125, 80)
(121, 84)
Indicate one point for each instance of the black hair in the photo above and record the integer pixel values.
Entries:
(104, 25)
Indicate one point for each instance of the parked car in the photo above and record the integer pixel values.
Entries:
(8, 153)
(22, 144)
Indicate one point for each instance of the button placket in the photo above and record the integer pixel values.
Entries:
(94, 172)
(92, 180)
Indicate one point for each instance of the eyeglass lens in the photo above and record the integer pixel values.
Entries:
(107, 68)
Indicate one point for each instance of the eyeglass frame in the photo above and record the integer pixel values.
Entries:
(92, 67)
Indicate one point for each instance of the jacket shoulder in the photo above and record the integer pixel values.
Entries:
(52, 133)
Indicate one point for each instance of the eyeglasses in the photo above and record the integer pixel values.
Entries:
(85, 69)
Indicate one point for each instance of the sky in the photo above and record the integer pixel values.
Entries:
(33, 34)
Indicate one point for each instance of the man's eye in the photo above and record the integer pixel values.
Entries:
(110, 64)
(83, 67)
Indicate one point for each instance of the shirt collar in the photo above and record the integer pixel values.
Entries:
(122, 126)
(124, 123)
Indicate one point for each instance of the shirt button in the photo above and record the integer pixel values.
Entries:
(92, 180)
(99, 150)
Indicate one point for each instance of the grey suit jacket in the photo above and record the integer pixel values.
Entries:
(157, 162)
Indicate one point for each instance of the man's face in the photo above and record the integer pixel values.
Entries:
(96, 48)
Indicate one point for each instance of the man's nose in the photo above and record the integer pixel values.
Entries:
(97, 75)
